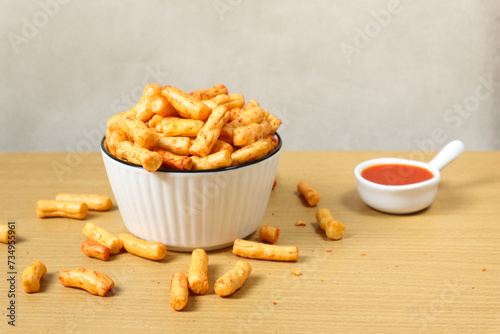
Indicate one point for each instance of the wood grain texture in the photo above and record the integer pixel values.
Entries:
(412, 273)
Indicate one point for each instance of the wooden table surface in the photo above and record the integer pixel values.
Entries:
(435, 271)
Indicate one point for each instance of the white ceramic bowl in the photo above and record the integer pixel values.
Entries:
(397, 199)
(192, 209)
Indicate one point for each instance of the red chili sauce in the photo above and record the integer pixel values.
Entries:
(396, 174)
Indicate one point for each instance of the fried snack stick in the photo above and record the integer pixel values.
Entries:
(217, 101)
(178, 291)
(115, 122)
(150, 161)
(207, 94)
(249, 134)
(4, 234)
(310, 194)
(170, 127)
(251, 152)
(256, 250)
(234, 114)
(67, 209)
(197, 272)
(173, 161)
(212, 161)
(252, 103)
(221, 145)
(175, 145)
(235, 101)
(141, 135)
(103, 237)
(186, 105)
(209, 133)
(94, 202)
(32, 275)
(95, 250)
(92, 281)
(249, 116)
(146, 249)
(153, 102)
(333, 228)
(113, 138)
(234, 279)
(269, 233)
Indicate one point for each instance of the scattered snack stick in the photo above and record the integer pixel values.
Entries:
(4, 234)
(300, 223)
(92, 281)
(95, 250)
(310, 194)
(46, 208)
(234, 279)
(178, 291)
(296, 272)
(198, 272)
(32, 275)
(94, 202)
(128, 151)
(103, 237)
(143, 248)
(256, 250)
(333, 228)
(269, 233)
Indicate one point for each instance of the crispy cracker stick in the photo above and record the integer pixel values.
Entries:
(180, 127)
(212, 161)
(234, 279)
(333, 228)
(103, 237)
(92, 281)
(249, 134)
(146, 249)
(94, 202)
(310, 194)
(209, 133)
(248, 116)
(221, 145)
(115, 122)
(95, 250)
(275, 122)
(32, 275)
(178, 291)
(207, 94)
(252, 103)
(151, 161)
(154, 121)
(256, 250)
(67, 209)
(251, 152)
(186, 105)
(113, 138)
(234, 114)
(141, 135)
(269, 233)
(235, 101)
(197, 272)
(174, 161)
(217, 101)
(153, 102)
(175, 145)
(4, 234)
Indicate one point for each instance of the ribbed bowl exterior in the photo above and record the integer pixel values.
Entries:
(188, 210)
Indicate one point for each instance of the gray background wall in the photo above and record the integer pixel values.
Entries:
(343, 75)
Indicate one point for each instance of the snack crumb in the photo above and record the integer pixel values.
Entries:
(397, 266)
(296, 272)
(363, 254)
(321, 280)
(274, 303)
(329, 250)
(300, 223)
(483, 269)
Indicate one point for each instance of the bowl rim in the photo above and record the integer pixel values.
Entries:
(201, 171)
